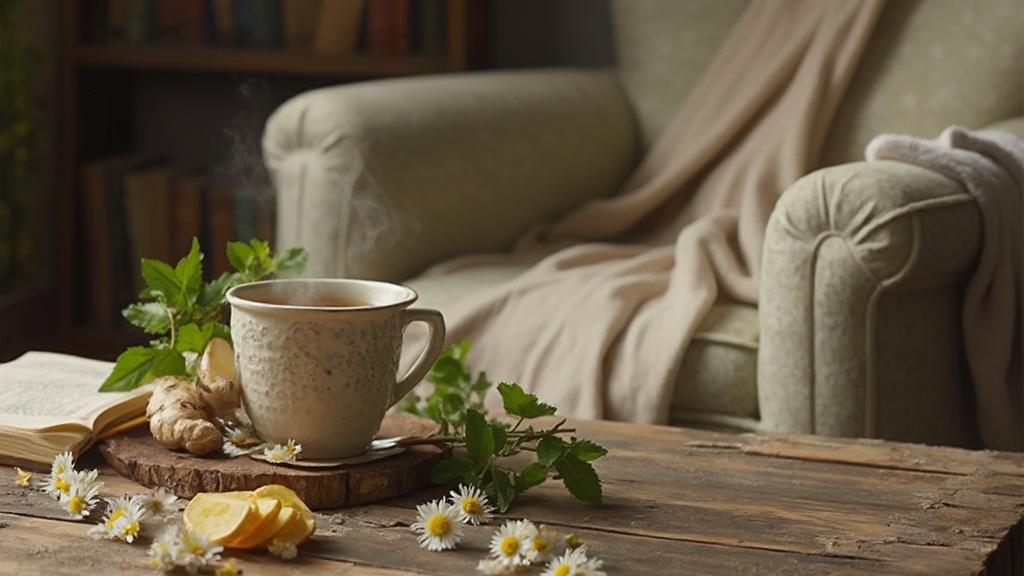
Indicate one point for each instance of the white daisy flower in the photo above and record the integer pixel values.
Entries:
(511, 543)
(57, 485)
(123, 519)
(159, 502)
(196, 551)
(239, 436)
(283, 550)
(166, 549)
(568, 564)
(83, 492)
(472, 504)
(287, 453)
(592, 567)
(541, 545)
(438, 525)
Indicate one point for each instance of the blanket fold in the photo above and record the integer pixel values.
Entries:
(989, 165)
(600, 324)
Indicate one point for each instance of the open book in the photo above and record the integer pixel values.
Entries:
(49, 404)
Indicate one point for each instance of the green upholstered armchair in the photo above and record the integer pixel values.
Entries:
(857, 332)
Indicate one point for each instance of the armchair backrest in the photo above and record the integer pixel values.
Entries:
(930, 64)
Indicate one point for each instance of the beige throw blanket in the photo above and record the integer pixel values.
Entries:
(989, 165)
(599, 326)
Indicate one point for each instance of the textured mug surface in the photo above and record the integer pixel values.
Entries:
(317, 359)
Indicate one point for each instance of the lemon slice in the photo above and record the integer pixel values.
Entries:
(221, 516)
(298, 529)
(259, 526)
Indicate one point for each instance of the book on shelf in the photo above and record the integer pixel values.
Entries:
(259, 23)
(337, 26)
(105, 238)
(382, 27)
(149, 210)
(429, 27)
(299, 22)
(189, 193)
(221, 226)
(50, 403)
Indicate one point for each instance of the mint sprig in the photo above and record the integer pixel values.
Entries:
(183, 313)
(456, 403)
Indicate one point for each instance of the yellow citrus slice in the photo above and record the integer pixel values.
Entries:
(298, 529)
(284, 517)
(260, 526)
(221, 516)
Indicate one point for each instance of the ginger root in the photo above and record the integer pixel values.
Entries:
(216, 384)
(181, 414)
(178, 417)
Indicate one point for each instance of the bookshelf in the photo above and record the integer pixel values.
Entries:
(106, 108)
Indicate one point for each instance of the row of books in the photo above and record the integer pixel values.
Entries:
(134, 206)
(379, 27)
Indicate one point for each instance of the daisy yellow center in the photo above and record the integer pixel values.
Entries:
(562, 570)
(510, 545)
(113, 517)
(472, 506)
(439, 525)
(540, 544)
(76, 505)
(62, 485)
(198, 550)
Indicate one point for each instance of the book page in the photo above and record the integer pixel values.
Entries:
(44, 389)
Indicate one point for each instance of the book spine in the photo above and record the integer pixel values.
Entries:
(299, 21)
(188, 211)
(225, 21)
(337, 27)
(136, 24)
(148, 206)
(265, 24)
(220, 226)
(428, 27)
(97, 227)
(381, 27)
(192, 15)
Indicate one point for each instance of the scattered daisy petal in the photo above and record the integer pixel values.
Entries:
(228, 569)
(472, 504)
(492, 566)
(24, 478)
(438, 525)
(166, 549)
(196, 551)
(283, 550)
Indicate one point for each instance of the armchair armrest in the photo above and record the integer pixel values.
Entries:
(383, 178)
(864, 266)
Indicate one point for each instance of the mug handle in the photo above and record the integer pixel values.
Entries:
(426, 359)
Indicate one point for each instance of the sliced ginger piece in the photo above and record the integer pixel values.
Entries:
(284, 517)
(223, 517)
(286, 495)
(260, 526)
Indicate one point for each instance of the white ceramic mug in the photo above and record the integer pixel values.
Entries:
(317, 359)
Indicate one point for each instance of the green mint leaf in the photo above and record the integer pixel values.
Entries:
(190, 276)
(451, 470)
(531, 475)
(447, 371)
(479, 437)
(131, 367)
(291, 263)
(519, 403)
(586, 450)
(241, 256)
(193, 338)
(161, 279)
(549, 450)
(138, 365)
(503, 487)
(150, 316)
(500, 432)
(481, 385)
(212, 294)
(580, 479)
(260, 249)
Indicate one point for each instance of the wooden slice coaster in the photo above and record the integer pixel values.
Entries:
(138, 456)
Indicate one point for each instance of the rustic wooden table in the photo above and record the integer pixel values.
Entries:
(677, 501)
